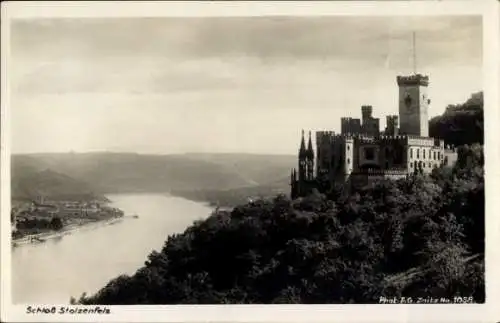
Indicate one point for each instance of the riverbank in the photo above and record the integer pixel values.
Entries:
(69, 229)
(87, 258)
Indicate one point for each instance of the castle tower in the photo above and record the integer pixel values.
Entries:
(413, 105)
(414, 101)
(392, 126)
(366, 112)
(371, 125)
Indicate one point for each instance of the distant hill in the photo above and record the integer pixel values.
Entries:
(51, 185)
(237, 196)
(259, 169)
(129, 172)
(461, 124)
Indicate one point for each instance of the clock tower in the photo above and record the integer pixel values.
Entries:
(413, 105)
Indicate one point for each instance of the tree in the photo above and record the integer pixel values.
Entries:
(56, 223)
(460, 124)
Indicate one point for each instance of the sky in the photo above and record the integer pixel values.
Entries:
(228, 84)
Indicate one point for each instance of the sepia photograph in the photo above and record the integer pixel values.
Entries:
(230, 159)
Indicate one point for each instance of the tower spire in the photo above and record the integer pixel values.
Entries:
(310, 151)
(302, 151)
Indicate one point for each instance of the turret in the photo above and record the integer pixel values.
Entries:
(310, 160)
(310, 151)
(392, 126)
(366, 112)
(302, 159)
(302, 150)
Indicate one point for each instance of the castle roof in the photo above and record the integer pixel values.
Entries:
(302, 151)
(416, 79)
(310, 151)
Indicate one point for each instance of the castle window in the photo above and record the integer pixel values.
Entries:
(439, 155)
(430, 165)
(434, 156)
(348, 147)
(418, 153)
(370, 153)
(411, 152)
(408, 100)
(348, 161)
(424, 154)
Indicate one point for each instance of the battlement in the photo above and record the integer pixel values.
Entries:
(416, 79)
(366, 139)
(350, 136)
(397, 137)
(388, 138)
(418, 137)
(366, 111)
(450, 149)
(438, 142)
(409, 139)
(324, 136)
(421, 141)
(325, 133)
(392, 119)
(382, 172)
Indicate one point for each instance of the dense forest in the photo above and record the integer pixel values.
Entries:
(415, 237)
(460, 124)
(52, 185)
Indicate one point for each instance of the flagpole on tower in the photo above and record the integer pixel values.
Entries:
(414, 55)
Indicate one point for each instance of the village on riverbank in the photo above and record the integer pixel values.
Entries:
(40, 218)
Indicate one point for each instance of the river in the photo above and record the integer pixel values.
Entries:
(84, 261)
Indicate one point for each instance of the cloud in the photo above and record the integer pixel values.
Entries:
(153, 78)
(262, 37)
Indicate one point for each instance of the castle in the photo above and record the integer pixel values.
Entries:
(362, 153)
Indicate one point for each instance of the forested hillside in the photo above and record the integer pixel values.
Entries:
(51, 185)
(460, 124)
(417, 237)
